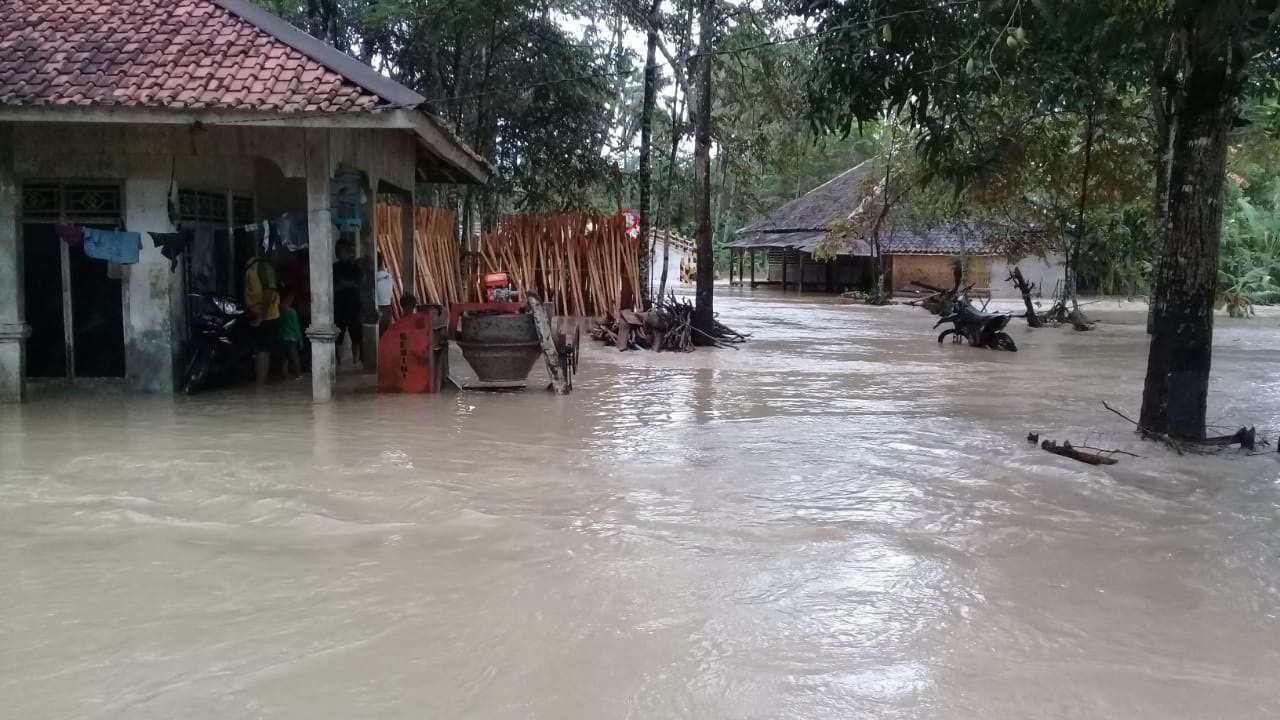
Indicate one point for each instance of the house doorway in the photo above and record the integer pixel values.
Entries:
(74, 303)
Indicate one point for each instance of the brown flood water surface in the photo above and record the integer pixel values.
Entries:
(842, 519)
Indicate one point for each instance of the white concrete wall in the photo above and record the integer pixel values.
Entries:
(384, 154)
(1045, 272)
(268, 162)
(674, 258)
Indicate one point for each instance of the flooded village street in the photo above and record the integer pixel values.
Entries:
(842, 519)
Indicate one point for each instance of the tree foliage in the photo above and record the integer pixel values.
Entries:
(513, 82)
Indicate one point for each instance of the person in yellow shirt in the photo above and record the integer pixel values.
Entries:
(262, 300)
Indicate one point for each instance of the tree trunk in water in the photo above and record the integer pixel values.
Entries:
(704, 312)
(675, 217)
(1176, 390)
(646, 160)
(1161, 111)
(1025, 288)
(1073, 258)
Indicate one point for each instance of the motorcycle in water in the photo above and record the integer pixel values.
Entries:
(981, 329)
(221, 351)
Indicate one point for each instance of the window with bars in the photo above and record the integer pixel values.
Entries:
(85, 203)
(221, 244)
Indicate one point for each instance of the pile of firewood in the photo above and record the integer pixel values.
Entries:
(667, 326)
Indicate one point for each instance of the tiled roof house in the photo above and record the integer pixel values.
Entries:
(110, 110)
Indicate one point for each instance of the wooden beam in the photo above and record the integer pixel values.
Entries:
(440, 142)
(408, 233)
(445, 145)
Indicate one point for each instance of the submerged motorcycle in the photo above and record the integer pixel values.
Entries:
(981, 329)
(221, 351)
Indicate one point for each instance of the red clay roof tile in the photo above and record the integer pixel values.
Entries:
(159, 53)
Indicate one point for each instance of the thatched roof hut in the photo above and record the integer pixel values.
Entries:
(791, 234)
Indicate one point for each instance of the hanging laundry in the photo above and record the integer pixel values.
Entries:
(72, 235)
(172, 245)
(292, 231)
(112, 245)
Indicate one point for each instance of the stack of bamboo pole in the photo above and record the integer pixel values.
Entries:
(437, 257)
(578, 265)
(391, 247)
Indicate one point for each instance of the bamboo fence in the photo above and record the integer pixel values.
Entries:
(579, 265)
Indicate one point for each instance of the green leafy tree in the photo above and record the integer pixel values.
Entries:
(936, 63)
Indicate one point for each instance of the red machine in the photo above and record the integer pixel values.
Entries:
(413, 354)
(499, 288)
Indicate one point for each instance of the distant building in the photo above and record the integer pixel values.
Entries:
(198, 120)
(790, 235)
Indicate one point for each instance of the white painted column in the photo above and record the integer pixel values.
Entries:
(13, 326)
(149, 352)
(320, 236)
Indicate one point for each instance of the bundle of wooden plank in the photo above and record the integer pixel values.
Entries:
(391, 247)
(579, 265)
(436, 257)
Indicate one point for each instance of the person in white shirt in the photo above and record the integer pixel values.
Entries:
(382, 294)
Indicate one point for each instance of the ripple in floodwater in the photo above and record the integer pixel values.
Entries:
(841, 519)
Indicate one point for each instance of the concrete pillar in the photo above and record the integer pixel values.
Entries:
(13, 326)
(320, 233)
(408, 225)
(150, 346)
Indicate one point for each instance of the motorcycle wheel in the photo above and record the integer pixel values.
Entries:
(1004, 342)
(943, 335)
(197, 372)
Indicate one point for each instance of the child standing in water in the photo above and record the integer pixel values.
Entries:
(290, 337)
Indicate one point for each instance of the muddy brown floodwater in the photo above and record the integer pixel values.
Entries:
(840, 520)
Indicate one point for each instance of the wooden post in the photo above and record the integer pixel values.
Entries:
(320, 232)
(784, 269)
(13, 326)
(742, 254)
(800, 286)
(753, 268)
(408, 226)
(369, 249)
(732, 254)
